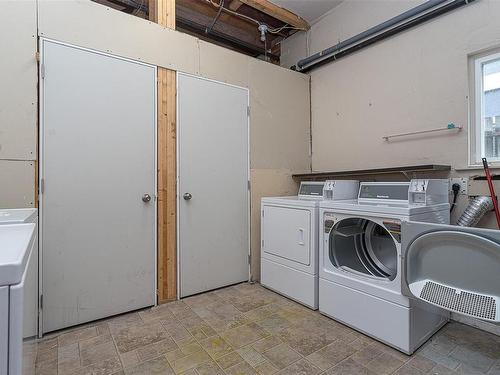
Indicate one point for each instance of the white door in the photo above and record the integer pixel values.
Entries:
(213, 202)
(98, 120)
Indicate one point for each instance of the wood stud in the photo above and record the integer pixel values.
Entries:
(163, 12)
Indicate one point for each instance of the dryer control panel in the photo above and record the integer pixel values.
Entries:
(417, 192)
(424, 192)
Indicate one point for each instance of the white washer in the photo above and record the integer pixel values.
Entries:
(16, 249)
(289, 239)
(20, 216)
(360, 277)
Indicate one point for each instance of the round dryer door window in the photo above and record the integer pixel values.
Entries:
(363, 247)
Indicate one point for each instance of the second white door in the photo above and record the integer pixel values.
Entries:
(213, 195)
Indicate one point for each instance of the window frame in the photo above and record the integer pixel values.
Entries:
(476, 139)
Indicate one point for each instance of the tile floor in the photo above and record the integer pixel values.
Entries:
(247, 329)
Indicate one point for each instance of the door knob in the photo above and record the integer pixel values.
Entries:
(146, 198)
(187, 196)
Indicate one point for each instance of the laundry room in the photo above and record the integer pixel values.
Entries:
(225, 187)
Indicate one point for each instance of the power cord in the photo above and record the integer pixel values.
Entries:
(455, 188)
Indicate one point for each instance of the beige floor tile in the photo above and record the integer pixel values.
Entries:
(242, 368)
(47, 355)
(244, 335)
(190, 361)
(472, 358)
(367, 354)
(76, 335)
(156, 349)
(156, 366)
(266, 343)
(229, 360)
(69, 358)
(408, 369)
(266, 368)
(281, 356)
(263, 327)
(384, 364)
(105, 367)
(47, 344)
(178, 308)
(161, 312)
(122, 321)
(303, 340)
(227, 293)
(263, 312)
(174, 355)
(216, 346)
(331, 354)
(129, 359)
(46, 368)
(349, 367)
(251, 302)
(139, 335)
(421, 363)
(177, 331)
(274, 323)
(209, 368)
(443, 360)
(251, 356)
(102, 328)
(190, 347)
(301, 367)
(201, 300)
(97, 353)
(361, 342)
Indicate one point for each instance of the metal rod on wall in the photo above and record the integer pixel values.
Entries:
(449, 127)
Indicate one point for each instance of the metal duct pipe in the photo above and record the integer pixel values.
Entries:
(476, 209)
(406, 20)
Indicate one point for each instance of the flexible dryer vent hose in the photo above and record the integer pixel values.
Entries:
(476, 209)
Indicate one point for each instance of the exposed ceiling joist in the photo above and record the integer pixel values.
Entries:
(234, 5)
(277, 12)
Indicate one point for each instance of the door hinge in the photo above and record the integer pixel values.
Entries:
(248, 184)
(262, 213)
(248, 111)
(262, 242)
(42, 70)
(41, 302)
(42, 186)
(249, 259)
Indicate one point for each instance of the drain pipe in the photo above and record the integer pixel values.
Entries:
(477, 208)
(395, 25)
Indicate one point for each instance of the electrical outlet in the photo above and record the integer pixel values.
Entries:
(463, 182)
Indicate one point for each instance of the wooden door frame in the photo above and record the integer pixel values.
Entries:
(163, 13)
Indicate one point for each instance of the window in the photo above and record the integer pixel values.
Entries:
(486, 109)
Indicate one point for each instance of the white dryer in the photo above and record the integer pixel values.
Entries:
(16, 249)
(25, 216)
(360, 277)
(289, 239)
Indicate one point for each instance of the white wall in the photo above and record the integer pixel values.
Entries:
(18, 103)
(413, 81)
(279, 98)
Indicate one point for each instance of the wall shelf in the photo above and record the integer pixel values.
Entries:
(366, 172)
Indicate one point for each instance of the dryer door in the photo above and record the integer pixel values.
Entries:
(286, 233)
(363, 247)
(455, 268)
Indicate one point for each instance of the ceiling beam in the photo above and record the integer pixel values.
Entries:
(234, 5)
(277, 12)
